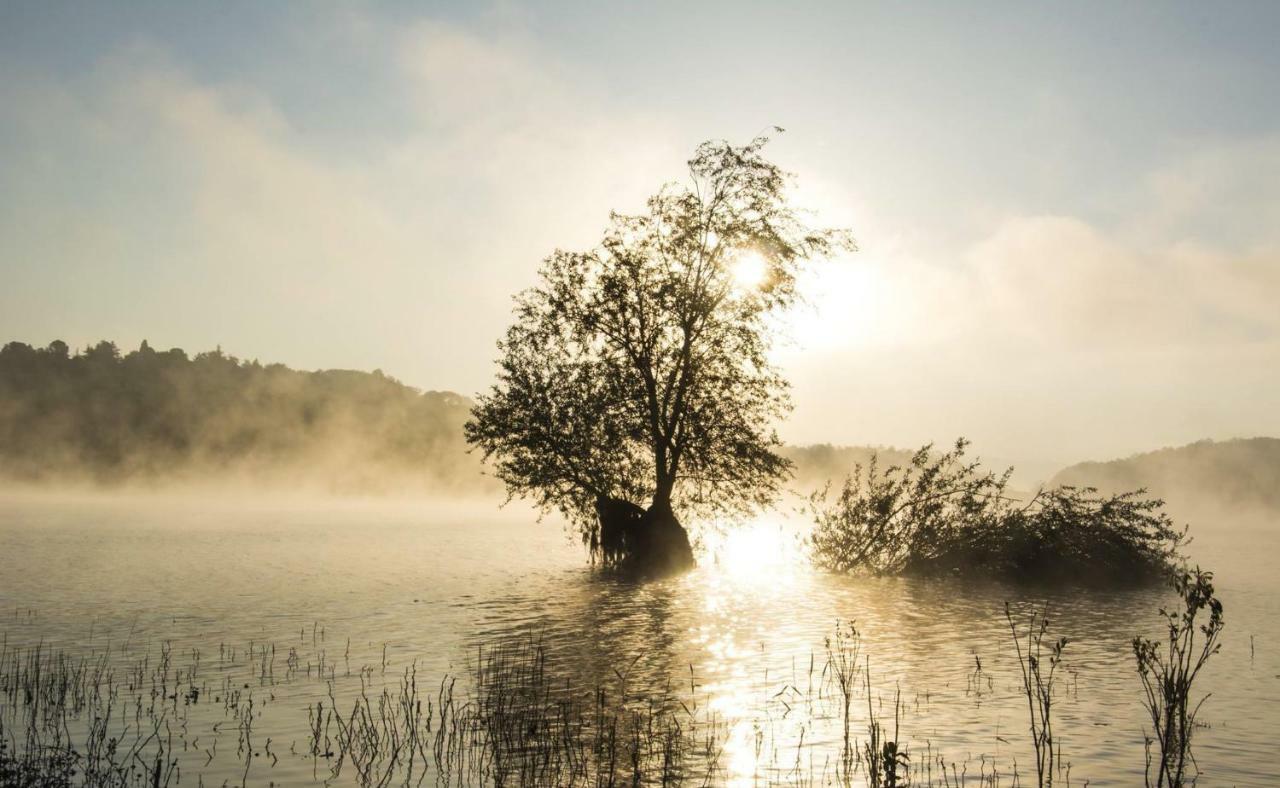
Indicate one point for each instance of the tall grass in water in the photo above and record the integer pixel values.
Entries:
(841, 671)
(1167, 677)
(518, 726)
(886, 762)
(120, 718)
(1037, 686)
(515, 724)
(76, 721)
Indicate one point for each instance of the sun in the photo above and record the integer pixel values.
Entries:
(749, 270)
(754, 549)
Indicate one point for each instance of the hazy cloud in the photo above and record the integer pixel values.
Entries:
(205, 201)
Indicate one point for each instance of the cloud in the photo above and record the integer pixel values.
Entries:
(1061, 281)
(158, 203)
(536, 146)
(1058, 336)
(1193, 261)
(1223, 193)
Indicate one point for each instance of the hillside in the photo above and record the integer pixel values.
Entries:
(104, 417)
(1205, 477)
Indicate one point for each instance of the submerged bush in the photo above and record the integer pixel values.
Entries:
(943, 514)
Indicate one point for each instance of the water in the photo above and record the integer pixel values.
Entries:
(379, 586)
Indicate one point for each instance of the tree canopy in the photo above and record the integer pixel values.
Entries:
(639, 369)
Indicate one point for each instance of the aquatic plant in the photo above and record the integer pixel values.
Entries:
(1167, 677)
(514, 723)
(1037, 685)
(126, 719)
(842, 671)
(67, 720)
(886, 760)
(34, 770)
(943, 514)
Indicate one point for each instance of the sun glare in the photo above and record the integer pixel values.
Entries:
(749, 270)
(747, 550)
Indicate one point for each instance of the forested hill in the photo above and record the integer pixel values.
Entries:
(1232, 475)
(107, 417)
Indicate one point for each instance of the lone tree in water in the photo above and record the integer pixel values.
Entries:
(634, 384)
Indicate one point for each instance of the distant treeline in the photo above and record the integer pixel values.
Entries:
(102, 416)
(819, 463)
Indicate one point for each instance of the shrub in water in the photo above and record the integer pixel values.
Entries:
(943, 514)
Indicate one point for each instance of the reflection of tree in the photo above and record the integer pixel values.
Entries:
(596, 625)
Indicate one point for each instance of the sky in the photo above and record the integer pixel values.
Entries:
(1068, 214)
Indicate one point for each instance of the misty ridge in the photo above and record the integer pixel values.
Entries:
(105, 418)
(147, 417)
(1206, 481)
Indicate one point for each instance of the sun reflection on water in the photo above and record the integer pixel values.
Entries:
(748, 567)
(765, 550)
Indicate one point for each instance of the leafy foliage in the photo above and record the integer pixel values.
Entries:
(157, 415)
(941, 513)
(638, 369)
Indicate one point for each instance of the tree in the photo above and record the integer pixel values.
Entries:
(637, 372)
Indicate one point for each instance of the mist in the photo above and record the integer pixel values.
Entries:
(1231, 485)
(147, 419)
(100, 420)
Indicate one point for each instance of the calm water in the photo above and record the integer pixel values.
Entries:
(427, 584)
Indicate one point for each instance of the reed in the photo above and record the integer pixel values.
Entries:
(513, 723)
(123, 721)
(1168, 677)
(1037, 686)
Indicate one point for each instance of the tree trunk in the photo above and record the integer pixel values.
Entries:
(663, 545)
(650, 542)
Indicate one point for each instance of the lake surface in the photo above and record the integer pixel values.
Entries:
(372, 588)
